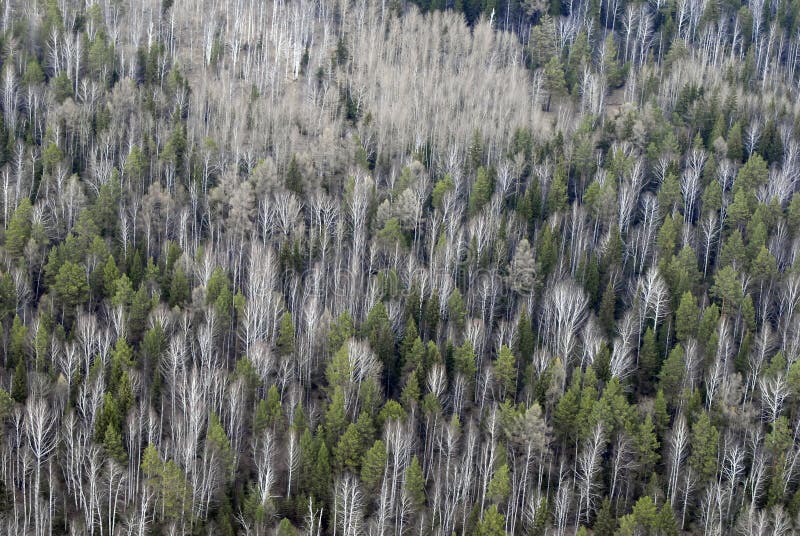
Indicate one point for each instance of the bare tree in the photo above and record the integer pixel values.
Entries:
(563, 314)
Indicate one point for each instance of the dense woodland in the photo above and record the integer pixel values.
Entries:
(364, 267)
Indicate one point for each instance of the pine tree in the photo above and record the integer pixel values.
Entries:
(374, 465)
(308, 456)
(8, 296)
(499, 486)
(18, 345)
(274, 410)
(430, 316)
(415, 483)
(71, 285)
(647, 446)
(322, 474)
(339, 369)
(285, 341)
(670, 378)
(464, 360)
(442, 187)
(660, 414)
(492, 524)
(735, 144)
(124, 394)
(217, 441)
(335, 417)
(686, 317)
(505, 371)
(294, 179)
(557, 198)
(285, 528)
(179, 288)
(409, 337)
(526, 342)
(411, 392)
(19, 229)
(554, 81)
(481, 192)
(752, 175)
(108, 416)
(605, 523)
(727, 288)
(378, 330)
(705, 443)
(457, 310)
(112, 445)
(6, 404)
(543, 45)
(137, 318)
(608, 306)
(648, 361)
(19, 385)
(568, 409)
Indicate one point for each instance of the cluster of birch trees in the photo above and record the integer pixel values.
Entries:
(373, 267)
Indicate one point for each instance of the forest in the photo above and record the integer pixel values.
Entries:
(393, 267)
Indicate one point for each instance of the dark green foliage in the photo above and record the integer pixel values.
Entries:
(606, 522)
(179, 287)
(648, 359)
(705, 440)
(492, 524)
(71, 286)
(112, 444)
(481, 191)
(378, 331)
(686, 317)
(19, 385)
(19, 229)
(285, 341)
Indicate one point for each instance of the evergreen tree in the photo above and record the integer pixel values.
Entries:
(499, 486)
(705, 442)
(492, 524)
(137, 318)
(686, 317)
(18, 344)
(608, 306)
(648, 360)
(457, 311)
(335, 417)
(605, 524)
(217, 441)
(464, 360)
(647, 446)
(274, 411)
(415, 483)
(378, 331)
(285, 341)
(294, 179)
(321, 474)
(735, 144)
(481, 191)
(112, 444)
(340, 331)
(554, 81)
(374, 466)
(670, 378)
(19, 385)
(71, 286)
(505, 371)
(19, 229)
(179, 288)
